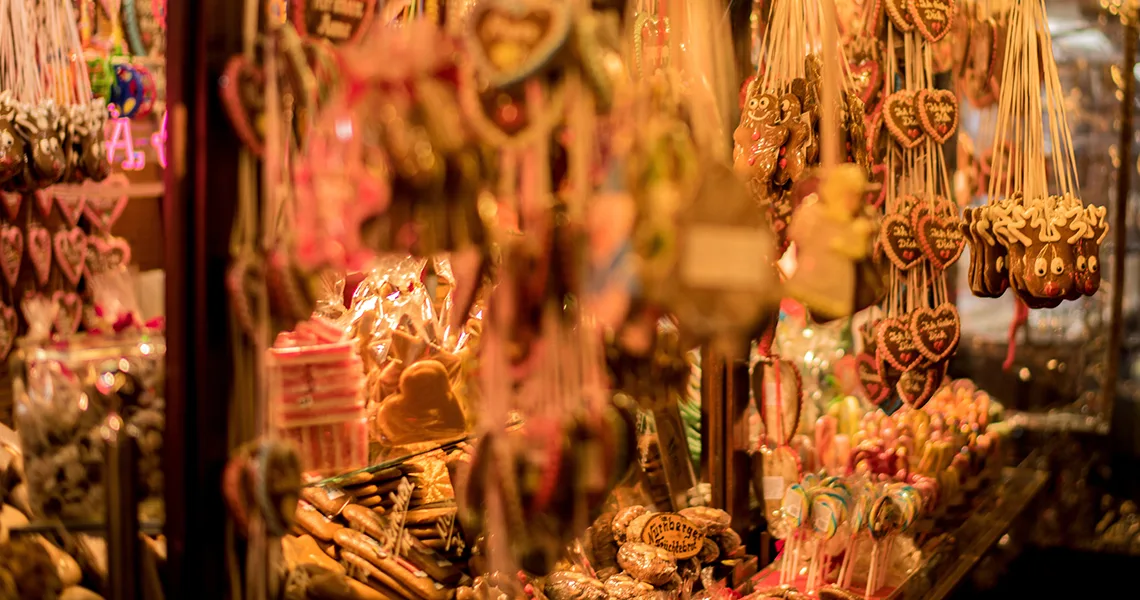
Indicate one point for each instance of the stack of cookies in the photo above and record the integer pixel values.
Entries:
(638, 553)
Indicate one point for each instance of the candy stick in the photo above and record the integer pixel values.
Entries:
(871, 572)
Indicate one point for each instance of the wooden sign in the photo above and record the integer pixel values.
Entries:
(674, 533)
(338, 21)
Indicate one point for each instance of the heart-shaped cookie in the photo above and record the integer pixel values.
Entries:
(12, 202)
(43, 202)
(917, 387)
(243, 100)
(899, 12)
(900, 117)
(867, 368)
(107, 253)
(867, 80)
(936, 332)
(510, 40)
(778, 390)
(8, 329)
(70, 206)
(71, 253)
(938, 113)
(70, 311)
(895, 343)
(104, 211)
(941, 239)
(39, 251)
(899, 242)
(876, 194)
(11, 252)
(932, 18)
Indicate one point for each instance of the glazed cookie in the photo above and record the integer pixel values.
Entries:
(622, 520)
(647, 563)
(711, 520)
(637, 527)
(567, 585)
(624, 587)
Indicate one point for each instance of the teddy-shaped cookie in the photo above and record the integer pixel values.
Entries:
(759, 138)
(424, 410)
(793, 155)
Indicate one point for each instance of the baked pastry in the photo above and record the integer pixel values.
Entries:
(711, 520)
(622, 520)
(624, 587)
(647, 563)
(567, 585)
(424, 410)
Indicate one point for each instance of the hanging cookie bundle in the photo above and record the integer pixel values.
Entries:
(906, 350)
(777, 140)
(1034, 235)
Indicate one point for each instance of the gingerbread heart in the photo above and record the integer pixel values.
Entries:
(899, 242)
(899, 12)
(104, 211)
(70, 206)
(70, 311)
(867, 368)
(244, 101)
(932, 18)
(938, 113)
(39, 251)
(107, 254)
(778, 389)
(511, 40)
(900, 116)
(876, 194)
(936, 332)
(867, 80)
(71, 253)
(11, 253)
(941, 239)
(895, 344)
(8, 329)
(917, 387)
(12, 202)
(339, 23)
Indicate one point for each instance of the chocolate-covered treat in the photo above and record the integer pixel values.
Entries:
(622, 520)
(567, 585)
(711, 520)
(647, 563)
(710, 551)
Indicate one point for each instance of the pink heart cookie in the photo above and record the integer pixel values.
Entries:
(104, 210)
(71, 253)
(11, 252)
(70, 311)
(8, 329)
(12, 202)
(71, 206)
(107, 253)
(43, 201)
(39, 251)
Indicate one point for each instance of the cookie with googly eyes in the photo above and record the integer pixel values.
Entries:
(793, 155)
(1088, 251)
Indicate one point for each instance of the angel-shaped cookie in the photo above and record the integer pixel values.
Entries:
(831, 235)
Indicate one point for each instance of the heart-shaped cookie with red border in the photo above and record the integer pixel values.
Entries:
(243, 99)
(895, 343)
(917, 387)
(107, 254)
(932, 18)
(70, 311)
(340, 22)
(11, 252)
(867, 80)
(104, 211)
(936, 332)
(778, 389)
(899, 12)
(899, 242)
(867, 369)
(941, 238)
(8, 329)
(938, 113)
(71, 253)
(511, 40)
(12, 202)
(900, 116)
(70, 206)
(39, 251)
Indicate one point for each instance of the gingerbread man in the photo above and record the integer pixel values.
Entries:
(759, 138)
(793, 156)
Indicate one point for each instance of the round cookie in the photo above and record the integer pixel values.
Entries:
(711, 520)
(622, 520)
(647, 563)
(567, 585)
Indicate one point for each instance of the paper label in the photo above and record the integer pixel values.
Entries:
(773, 487)
(724, 258)
(674, 533)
